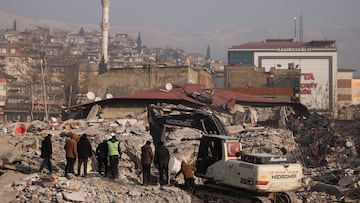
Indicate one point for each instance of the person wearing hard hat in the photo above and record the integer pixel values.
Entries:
(113, 152)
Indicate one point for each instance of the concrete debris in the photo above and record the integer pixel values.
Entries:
(74, 197)
(328, 149)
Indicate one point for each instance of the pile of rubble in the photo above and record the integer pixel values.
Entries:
(327, 150)
(24, 157)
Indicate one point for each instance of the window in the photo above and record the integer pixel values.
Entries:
(241, 57)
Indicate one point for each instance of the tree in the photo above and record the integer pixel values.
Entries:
(102, 66)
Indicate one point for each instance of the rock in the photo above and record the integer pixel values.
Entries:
(134, 193)
(35, 198)
(329, 189)
(346, 181)
(75, 196)
(59, 197)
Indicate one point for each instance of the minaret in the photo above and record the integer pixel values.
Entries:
(105, 28)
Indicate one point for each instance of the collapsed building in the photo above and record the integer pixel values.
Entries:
(328, 152)
(192, 95)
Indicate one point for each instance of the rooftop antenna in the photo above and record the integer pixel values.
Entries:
(301, 28)
(295, 28)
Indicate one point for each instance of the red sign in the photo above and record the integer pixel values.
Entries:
(306, 87)
(232, 148)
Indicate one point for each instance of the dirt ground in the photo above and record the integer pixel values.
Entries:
(7, 194)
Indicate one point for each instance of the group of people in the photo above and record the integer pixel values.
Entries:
(161, 161)
(108, 154)
(80, 149)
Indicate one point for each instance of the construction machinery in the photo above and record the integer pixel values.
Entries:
(229, 174)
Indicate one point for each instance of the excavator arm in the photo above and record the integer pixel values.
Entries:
(161, 116)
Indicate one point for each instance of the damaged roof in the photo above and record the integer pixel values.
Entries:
(214, 97)
(194, 95)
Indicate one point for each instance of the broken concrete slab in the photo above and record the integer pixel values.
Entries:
(74, 196)
(329, 189)
(347, 181)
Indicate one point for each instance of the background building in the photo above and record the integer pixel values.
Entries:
(122, 81)
(344, 83)
(281, 84)
(317, 61)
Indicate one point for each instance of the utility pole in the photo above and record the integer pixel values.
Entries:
(42, 55)
(295, 27)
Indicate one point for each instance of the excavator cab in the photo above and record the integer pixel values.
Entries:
(210, 151)
(214, 151)
(216, 146)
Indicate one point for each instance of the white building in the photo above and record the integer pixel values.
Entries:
(316, 59)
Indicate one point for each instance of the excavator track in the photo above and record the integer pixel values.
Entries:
(212, 193)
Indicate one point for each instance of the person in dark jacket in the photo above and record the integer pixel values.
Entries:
(46, 153)
(147, 157)
(162, 157)
(101, 157)
(84, 152)
(113, 153)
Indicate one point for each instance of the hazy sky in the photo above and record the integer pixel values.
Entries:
(212, 21)
(192, 14)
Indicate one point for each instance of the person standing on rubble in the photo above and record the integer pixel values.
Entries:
(162, 157)
(188, 172)
(84, 150)
(101, 157)
(114, 154)
(147, 157)
(46, 153)
(71, 154)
